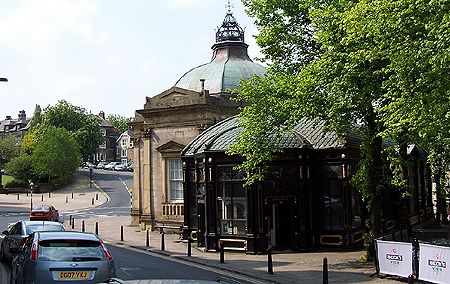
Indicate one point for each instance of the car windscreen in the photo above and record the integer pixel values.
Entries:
(44, 227)
(70, 250)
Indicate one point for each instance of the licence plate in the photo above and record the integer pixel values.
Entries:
(73, 275)
(38, 214)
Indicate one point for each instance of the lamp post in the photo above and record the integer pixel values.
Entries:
(31, 192)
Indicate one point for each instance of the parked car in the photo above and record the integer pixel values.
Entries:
(130, 167)
(120, 167)
(17, 234)
(101, 165)
(88, 165)
(44, 213)
(111, 165)
(55, 257)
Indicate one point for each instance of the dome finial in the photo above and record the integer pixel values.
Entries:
(230, 29)
(229, 6)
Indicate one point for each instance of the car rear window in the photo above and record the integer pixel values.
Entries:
(44, 227)
(42, 207)
(71, 250)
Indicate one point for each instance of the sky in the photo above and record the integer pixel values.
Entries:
(104, 55)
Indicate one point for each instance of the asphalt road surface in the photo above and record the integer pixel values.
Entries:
(132, 264)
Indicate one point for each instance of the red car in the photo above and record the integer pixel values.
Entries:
(44, 213)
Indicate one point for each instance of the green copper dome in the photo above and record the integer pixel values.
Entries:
(230, 62)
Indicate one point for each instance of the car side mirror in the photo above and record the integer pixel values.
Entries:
(5, 232)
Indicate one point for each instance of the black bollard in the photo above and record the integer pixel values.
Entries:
(222, 253)
(82, 226)
(410, 279)
(72, 195)
(42, 197)
(269, 261)
(96, 196)
(161, 231)
(325, 270)
(27, 194)
(70, 219)
(96, 228)
(73, 223)
(67, 199)
(18, 196)
(121, 233)
(147, 240)
(92, 200)
(189, 252)
(49, 194)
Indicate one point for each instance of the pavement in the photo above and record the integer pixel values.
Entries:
(288, 267)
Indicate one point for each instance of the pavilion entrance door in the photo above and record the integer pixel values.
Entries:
(280, 212)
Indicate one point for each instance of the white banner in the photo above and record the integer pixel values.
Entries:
(395, 258)
(434, 263)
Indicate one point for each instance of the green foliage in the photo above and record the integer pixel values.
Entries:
(381, 65)
(9, 148)
(21, 168)
(119, 122)
(37, 117)
(84, 127)
(56, 154)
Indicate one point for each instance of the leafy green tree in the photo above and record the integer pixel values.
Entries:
(37, 116)
(119, 122)
(9, 148)
(56, 154)
(21, 168)
(84, 127)
(350, 63)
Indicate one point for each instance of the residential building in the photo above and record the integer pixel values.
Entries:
(15, 126)
(125, 147)
(107, 150)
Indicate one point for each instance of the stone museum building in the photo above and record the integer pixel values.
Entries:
(184, 179)
(172, 119)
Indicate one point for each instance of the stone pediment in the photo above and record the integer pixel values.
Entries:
(175, 97)
(170, 147)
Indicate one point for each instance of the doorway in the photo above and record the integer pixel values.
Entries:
(281, 222)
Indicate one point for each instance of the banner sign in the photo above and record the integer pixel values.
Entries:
(395, 258)
(434, 263)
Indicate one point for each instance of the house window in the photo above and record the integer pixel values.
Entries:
(103, 145)
(231, 203)
(124, 142)
(175, 174)
(124, 153)
(103, 132)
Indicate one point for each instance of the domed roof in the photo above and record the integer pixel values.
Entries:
(230, 62)
(308, 133)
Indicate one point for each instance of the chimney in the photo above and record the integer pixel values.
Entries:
(22, 115)
(202, 82)
(102, 114)
(8, 117)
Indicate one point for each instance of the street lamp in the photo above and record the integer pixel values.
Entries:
(31, 193)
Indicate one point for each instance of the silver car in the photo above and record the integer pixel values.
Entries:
(69, 257)
(18, 232)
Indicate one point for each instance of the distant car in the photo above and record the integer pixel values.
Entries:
(111, 165)
(120, 167)
(88, 165)
(17, 234)
(57, 257)
(44, 213)
(101, 165)
(130, 167)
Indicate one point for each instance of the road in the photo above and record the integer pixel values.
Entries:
(150, 265)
